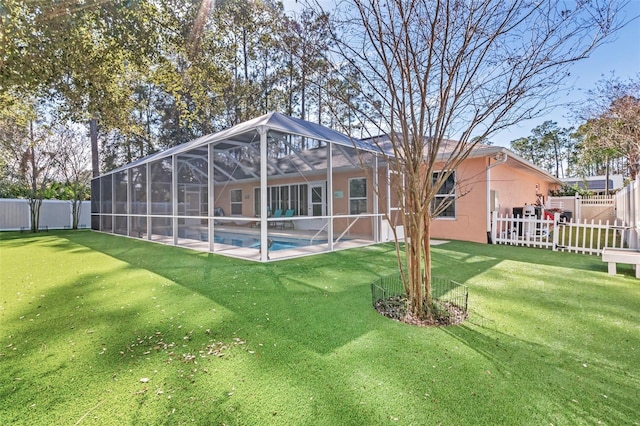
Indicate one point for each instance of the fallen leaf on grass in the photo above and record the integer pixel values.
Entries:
(141, 391)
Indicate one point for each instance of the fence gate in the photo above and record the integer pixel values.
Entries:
(556, 233)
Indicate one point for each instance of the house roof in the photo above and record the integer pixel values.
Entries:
(513, 159)
(479, 150)
(597, 183)
(248, 132)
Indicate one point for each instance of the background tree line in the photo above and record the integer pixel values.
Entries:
(151, 74)
(607, 141)
(156, 73)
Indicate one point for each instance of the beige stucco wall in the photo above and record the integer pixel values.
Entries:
(470, 221)
(340, 203)
(515, 187)
(222, 197)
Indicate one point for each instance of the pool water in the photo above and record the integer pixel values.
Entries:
(244, 240)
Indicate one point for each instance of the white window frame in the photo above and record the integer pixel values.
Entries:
(294, 199)
(235, 203)
(445, 195)
(359, 198)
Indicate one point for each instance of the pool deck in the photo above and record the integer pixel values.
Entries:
(253, 253)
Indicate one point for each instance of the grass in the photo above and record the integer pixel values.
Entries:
(551, 338)
(581, 236)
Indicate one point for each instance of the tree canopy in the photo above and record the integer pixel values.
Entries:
(607, 139)
(549, 147)
(612, 124)
(156, 73)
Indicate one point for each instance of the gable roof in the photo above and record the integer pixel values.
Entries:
(513, 159)
(597, 183)
(383, 142)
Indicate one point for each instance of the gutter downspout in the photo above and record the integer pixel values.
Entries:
(504, 157)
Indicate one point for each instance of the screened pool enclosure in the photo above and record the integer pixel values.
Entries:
(277, 182)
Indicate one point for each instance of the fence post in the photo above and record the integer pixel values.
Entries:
(556, 230)
(577, 207)
(494, 225)
(633, 235)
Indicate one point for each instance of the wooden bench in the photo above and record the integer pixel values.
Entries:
(621, 255)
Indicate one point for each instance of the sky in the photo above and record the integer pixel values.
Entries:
(620, 55)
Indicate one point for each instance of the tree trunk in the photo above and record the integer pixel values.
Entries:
(303, 90)
(76, 205)
(606, 180)
(415, 277)
(32, 213)
(320, 104)
(290, 86)
(34, 209)
(426, 279)
(418, 275)
(245, 55)
(557, 155)
(93, 133)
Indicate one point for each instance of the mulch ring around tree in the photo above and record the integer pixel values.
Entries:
(443, 313)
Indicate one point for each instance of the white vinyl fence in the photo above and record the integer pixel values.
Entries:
(556, 234)
(598, 200)
(54, 214)
(596, 207)
(627, 210)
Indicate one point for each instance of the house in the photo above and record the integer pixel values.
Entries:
(492, 178)
(597, 184)
(293, 187)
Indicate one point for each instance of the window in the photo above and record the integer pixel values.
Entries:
(444, 205)
(236, 202)
(284, 197)
(357, 195)
(318, 200)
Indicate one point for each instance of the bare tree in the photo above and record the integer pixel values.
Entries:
(73, 167)
(612, 121)
(434, 69)
(30, 154)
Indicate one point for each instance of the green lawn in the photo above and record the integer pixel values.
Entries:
(551, 338)
(583, 237)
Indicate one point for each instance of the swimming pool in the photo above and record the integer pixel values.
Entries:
(252, 241)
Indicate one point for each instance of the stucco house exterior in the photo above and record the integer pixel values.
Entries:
(295, 188)
(493, 179)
